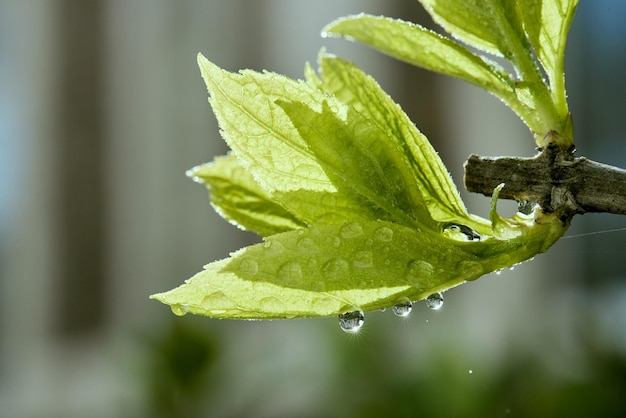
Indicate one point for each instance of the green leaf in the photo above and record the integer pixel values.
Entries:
(471, 21)
(257, 129)
(424, 48)
(329, 269)
(547, 23)
(359, 157)
(515, 30)
(372, 218)
(352, 86)
(238, 198)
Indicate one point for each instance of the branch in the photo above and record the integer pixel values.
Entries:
(554, 179)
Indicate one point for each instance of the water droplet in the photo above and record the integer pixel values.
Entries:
(272, 304)
(290, 274)
(335, 269)
(498, 272)
(249, 266)
(419, 273)
(351, 230)
(461, 232)
(306, 245)
(435, 301)
(403, 308)
(470, 270)
(273, 247)
(179, 310)
(352, 321)
(471, 371)
(363, 259)
(384, 234)
(526, 207)
(318, 286)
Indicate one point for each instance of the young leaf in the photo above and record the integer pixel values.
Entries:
(327, 269)
(547, 23)
(424, 48)
(373, 229)
(238, 198)
(352, 86)
(261, 136)
(359, 157)
(515, 30)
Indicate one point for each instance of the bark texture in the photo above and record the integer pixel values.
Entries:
(554, 179)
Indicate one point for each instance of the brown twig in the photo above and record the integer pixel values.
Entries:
(554, 179)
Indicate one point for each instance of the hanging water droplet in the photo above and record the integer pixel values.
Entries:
(351, 230)
(526, 207)
(498, 272)
(435, 301)
(403, 308)
(461, 232)
(351, 322)
(179, 310)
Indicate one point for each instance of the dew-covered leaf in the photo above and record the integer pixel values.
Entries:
(260, 134)
(424, 48)
(359, 157)
(328, 269)
(352, 86)
(471, 21)
(238, 198)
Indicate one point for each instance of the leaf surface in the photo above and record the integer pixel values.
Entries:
(238, 198)
(352, 86)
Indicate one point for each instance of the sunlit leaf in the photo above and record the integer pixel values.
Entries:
(427, 49)
(515, 30)
(352, 86)
(257, 129)
(547, 23)
(239, 199)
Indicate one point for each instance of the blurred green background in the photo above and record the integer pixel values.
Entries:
(102, 109)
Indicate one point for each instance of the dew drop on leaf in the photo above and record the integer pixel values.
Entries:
(461, 232)
(419, 272)
(272, 304)
(335, 269)
(403, 308)
(249, 266)
(273, 247)
(435, 301)
(384, 234)
(351, 230)
(352, 321)
(179, 310)
(290, 274)
(363, 259)
(306, 245)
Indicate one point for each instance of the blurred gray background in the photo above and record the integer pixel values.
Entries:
(102, 109)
